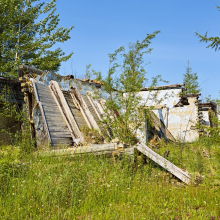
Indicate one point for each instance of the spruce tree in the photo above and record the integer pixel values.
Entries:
(24, 39)
(214, 42)
(191, 82)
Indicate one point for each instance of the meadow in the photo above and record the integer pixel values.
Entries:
(35, 186)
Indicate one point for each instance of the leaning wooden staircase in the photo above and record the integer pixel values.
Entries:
(57, 130)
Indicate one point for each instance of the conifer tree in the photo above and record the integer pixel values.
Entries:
(214, 42)
(191, 82)
(25, 39)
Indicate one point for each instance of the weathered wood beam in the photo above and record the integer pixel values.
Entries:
(89, 117)
(76, 103)
(65, 110)
(97, 149)
(28, 70)
(94, 107)
(42, 111)
(176, 171)
(173, 86)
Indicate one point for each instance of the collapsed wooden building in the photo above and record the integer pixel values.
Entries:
(59, 108)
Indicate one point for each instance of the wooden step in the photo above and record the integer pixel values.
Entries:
(57, 127)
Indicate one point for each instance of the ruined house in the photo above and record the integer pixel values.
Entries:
(60, 107)
(178, 115)
(209, 109)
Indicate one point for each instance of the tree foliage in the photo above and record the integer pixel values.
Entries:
(191, 82)
(25, 39)
(123, 82)
(92, 74)
(214, 42)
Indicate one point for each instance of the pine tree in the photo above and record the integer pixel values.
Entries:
(191, 82)
(26, 40)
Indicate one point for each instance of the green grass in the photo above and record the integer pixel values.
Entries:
(89, 187)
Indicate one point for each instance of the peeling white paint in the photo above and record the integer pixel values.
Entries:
(178, 120)
(66, 84)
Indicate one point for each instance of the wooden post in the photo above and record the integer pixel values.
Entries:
(146, 132)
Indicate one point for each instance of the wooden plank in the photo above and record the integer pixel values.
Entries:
(51, 108)
(85, 149)
(65, 110)
(60, 133)
(57, 124)
(97, 149)
(75, 111)
(28, 69)
(59, 129)
(85, 109)
(35, 91)
(66, 138)
(54, 119)
(176, 171)
(45, 122)
(42, 98)
(94, 107)
(42, 111)
(43, 91)
(80, 104)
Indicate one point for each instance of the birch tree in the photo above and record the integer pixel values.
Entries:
(123, 83)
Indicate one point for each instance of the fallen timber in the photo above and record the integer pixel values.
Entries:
(176, 171)
(114, 149)
(97, 149)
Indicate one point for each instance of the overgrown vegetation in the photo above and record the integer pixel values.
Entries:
(124, 114)
(89, 187)
(19, 132)
(92, 136)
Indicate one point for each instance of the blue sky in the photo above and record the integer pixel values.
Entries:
(101, 26)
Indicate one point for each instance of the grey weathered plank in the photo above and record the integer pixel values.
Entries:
(65, 110)
(98, 149)
(76, 112)
(42, 111)
(176, 171)
(53, 117)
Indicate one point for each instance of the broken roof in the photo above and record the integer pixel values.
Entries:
(172, 86)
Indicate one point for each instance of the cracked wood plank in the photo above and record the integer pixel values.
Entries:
(176, 171)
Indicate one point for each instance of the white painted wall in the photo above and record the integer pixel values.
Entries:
(179, 120)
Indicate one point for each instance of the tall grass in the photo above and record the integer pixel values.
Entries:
(33, 186)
